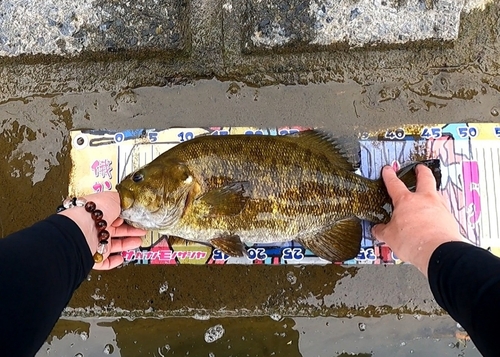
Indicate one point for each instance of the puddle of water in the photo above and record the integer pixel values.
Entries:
(259, 336)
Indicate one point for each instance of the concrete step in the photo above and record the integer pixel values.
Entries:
(62, 27)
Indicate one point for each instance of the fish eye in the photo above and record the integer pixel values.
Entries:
(138, 177)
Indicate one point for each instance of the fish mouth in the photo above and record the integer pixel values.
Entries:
(126, 197)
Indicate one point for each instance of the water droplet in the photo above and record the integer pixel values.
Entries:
(276, 317)
(163, 287)
(84, 335)
(494, 112)
(290, 276)
(451, 345)
(402, 344)
(361, 326)
(214, 333)
(79, 354)
(211, 354)
(417, 317)
(400, 316)
(108, 349)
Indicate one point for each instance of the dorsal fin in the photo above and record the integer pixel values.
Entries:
(343, 151)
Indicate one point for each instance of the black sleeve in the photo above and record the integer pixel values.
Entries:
(40, 268)
(465, 280)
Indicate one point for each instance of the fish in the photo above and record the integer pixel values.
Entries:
(236, 190)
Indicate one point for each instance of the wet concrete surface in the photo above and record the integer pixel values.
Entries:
(390, 335)
(215, 51)
(35, 143)
(344, 92)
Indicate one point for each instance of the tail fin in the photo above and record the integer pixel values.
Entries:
(407, 173)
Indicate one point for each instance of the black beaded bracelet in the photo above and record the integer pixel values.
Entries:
(96, 214)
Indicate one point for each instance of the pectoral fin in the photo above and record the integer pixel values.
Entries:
(230, 245)
(228, 200)
(337, 243)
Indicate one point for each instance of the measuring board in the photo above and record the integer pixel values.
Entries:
(469, 155)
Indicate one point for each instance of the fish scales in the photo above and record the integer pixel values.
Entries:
(292, 184)
(231, 189)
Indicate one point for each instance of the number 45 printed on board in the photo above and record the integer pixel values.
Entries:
(463, 132)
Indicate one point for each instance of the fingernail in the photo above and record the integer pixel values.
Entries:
(388, 168)
(420, 166)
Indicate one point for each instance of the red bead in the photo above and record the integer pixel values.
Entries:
(96, 215)
(90, 206)
(100, 225)
(103, 235)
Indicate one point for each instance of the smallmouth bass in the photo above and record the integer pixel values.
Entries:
(236, 189)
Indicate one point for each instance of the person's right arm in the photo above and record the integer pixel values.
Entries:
(464, 279)
(421, 220)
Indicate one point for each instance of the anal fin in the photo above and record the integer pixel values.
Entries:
(337, 243)
(230, 245)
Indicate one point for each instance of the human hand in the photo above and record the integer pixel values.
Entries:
(122, 236)
(420, 222)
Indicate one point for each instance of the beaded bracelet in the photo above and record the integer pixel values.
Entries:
(96, 214)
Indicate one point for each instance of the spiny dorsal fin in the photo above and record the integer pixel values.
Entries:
(337, 243)
(343, 152)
